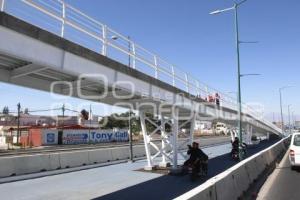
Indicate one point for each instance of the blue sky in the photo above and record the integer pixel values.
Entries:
(185, 34)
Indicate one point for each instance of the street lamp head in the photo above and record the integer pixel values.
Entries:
(243, 75)
(215, 12)
(284, 87)
(114, 37)
(220, 11)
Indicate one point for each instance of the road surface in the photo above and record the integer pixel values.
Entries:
(121, 181)
(282, 184)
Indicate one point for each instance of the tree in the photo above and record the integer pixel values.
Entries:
(121, 121)
(84, 114)
(5, 110)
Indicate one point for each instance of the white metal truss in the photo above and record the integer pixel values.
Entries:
(167, 152)
(187, 136)
(25, 70)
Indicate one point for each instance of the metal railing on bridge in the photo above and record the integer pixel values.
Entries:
(70, 23)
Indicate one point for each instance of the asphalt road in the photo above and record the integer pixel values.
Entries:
(282, 184)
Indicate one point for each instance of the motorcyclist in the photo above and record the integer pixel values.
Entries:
(235, 145)
(198, 159)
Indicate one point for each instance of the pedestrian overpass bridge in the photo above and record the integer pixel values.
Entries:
(52, 46)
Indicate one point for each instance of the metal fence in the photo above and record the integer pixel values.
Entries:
(68, 22)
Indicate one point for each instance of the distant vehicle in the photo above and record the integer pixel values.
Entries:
(221, 129)
(255, 139)
(294, 155)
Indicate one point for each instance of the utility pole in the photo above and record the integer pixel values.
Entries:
(63, 117)
(90, 120)
(18, 129)
(130, 137)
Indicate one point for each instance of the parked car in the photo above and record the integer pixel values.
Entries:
(294, 154)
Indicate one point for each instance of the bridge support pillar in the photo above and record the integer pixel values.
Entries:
(147, 140)
(175, 132)
(164, 142)
(153, 130)
(168, 129)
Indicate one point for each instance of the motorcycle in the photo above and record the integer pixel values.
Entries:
(196, 171)
(199, 171)
(235, 152)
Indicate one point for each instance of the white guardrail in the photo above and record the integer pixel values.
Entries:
(68, 22)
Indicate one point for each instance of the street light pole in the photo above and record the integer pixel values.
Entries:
(293, 120)
(239, 101)
(289, 118)
(130, 137)
(281, 113)
(239, 82)
(129, 116)
(282, 123)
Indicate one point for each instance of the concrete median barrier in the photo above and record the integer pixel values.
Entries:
(225, 187)
(26, 164)
(207, 192)
(18, 165)
(7, 167)
(120, 153)
(100, 156)
(74, 159)
(251, 167)
(241, 179)
(139, 151)
(35, 163)
(270, 157)
(54, 162)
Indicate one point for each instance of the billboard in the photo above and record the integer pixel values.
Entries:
(84, 136)
(49, 136)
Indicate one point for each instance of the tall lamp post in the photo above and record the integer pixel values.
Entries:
(114, 37)
(235, 8)
(293, 120)
(290, 131)
(281, 113)
(240, 121)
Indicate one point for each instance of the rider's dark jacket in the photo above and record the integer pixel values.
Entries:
(197, 153)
